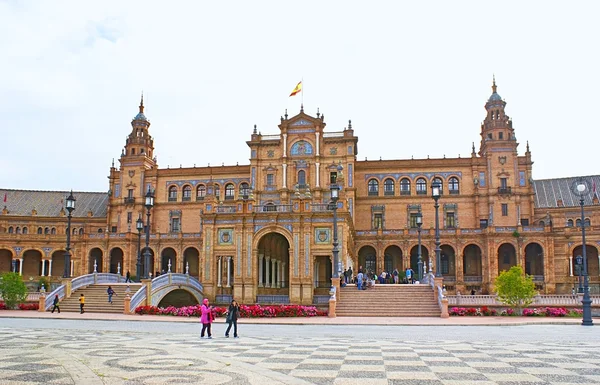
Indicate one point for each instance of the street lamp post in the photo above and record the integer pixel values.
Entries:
(581, 188)
(149, 203)
(70, 207)
(335, 196)
(419, 219)
(139, 225)
(436, 192)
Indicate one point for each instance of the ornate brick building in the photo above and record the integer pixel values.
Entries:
(265, 229)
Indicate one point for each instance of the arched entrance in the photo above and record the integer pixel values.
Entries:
(168, 257)
(32, 263)
(534, 260)
(507, 257)
(392, 259)
(95, 258)
(58, 263)
(414, 258)
(5, 261)
(322, 272)
(472, 268)
(592, 260)
(273, 267)
(448, 261)
(367, 260)
(191, 261)
(116, 261)
(178, 298)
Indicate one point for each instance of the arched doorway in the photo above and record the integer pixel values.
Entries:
(507, 257)
(95, 258)
(367, 259)
(273, 267)
(592, 260)
(5, 261)
(414, 258)
(168, 257)
(472, 268)
(116, 261)
(448, 261)
(32, 263)
(392, 259)
(191, 261)
(322, 272)
(534, 260)
(58, 263)
(178, 298)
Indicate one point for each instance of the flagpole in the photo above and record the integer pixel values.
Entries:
(302, 96)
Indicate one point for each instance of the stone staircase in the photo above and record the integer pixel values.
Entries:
(96, 299)
(388, 301)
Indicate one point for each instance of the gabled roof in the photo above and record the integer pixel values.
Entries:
(549, 191)
(50, 203)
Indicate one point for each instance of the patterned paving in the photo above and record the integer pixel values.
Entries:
(63, 356)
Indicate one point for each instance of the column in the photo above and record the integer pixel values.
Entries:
(570, 265)
(316, 277)
(20, 266)
(43, 268)
(283, 274)
(50, 267)
(284, 145)
(277, 274)
(219, 271)
(261, 257)
(317, 174)
(267, 274)
(273, 267)
(228, 271)
(318, 144)
(284, 181)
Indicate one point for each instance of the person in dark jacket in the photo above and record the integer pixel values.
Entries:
(232, 316)
(128, 277)
(110, 293)
(55, 304)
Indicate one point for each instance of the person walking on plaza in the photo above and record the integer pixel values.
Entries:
(206, 318)
(55, 304)
(81, 303)
(128, 277)
(110, 293)
(232, 316)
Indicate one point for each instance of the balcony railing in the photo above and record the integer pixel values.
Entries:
(504, 190)
(129, 200)
(225, 209)
(454, 192)
(274, 208)
(404, 192)
(186, 199)
(320, 207)
(421, 192)
(200, 198)
(172, 199)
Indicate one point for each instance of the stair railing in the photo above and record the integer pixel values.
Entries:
(82, 281)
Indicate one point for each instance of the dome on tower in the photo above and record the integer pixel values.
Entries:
(141, 116)
(494, 97)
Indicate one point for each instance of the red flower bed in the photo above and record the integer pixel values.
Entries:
(22, 306)
(246, 311)
(528, 312)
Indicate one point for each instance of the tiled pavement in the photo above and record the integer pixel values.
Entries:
(128, 353)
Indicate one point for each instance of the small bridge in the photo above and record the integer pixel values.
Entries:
(151, 292)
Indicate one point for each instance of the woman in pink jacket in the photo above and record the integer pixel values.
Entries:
(206, 318)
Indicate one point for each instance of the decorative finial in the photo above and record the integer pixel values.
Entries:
(285, 115)
(142, 104)
(254, 132)
(113, 163)
(318, 113)
(349, 124)
(473, 148)
(302, 107)
(494, 83)
(527, 146)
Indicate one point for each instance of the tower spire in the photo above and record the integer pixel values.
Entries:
(494, 83)
(142, 104)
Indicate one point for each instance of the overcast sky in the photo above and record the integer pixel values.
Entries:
(413, 76)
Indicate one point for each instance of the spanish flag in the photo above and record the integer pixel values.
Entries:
(297, 89)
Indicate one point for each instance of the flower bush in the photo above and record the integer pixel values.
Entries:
(22, 306)
(528, 312)
(246, 311)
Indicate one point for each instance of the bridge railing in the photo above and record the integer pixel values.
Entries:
(162, 281)
(539, 300)
(82, 281)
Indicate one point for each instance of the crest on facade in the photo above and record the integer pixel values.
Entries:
(322, 235)
(131, 173)
(502, 159)
(225, 236)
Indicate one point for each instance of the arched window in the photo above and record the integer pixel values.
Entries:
(421, 186)
(373, 187)
(25, 230)
(587, 224)
(578, 222)
(229, 191)
(40, 231)
(99, 231)
(81, 231)
(405, 186)
(10, 230)
(46, 231)
(244, 190)
(570, 223)
(172, 194)
(200, 192)
(269, 207)
(453, 186)
(187, 193)
(301, 178)
(217, 191)
(74, 231)
(53, 231)
(18, 230)
(439, 182)
(388, 187)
